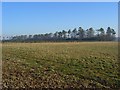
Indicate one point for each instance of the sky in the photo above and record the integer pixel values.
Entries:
(60, 0)
(0, 19)
(45, 17)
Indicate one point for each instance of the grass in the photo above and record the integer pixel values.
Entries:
(60, 65)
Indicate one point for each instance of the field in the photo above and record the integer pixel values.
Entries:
(60, 65)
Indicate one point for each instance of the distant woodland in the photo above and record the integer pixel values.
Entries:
(67, 35)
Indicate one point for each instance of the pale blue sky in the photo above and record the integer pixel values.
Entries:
(0, 18)
(32, 18)
(60, 0)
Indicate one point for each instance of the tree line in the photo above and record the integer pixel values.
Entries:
(71, 35)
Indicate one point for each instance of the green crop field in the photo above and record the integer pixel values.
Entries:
(60, 65)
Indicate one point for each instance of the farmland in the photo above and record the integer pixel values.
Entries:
(60, 65)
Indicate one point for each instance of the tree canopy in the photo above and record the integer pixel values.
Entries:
(68, 35)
